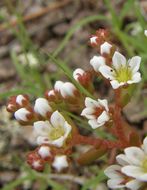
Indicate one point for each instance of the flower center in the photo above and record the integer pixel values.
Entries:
(98, 111)
(56, 132)
(144, 164)
(123, 74)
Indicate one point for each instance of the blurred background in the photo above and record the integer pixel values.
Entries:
(30, 30)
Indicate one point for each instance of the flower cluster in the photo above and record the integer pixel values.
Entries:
(57, 133)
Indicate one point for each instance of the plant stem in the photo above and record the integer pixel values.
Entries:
(118, 120)
(96, 142)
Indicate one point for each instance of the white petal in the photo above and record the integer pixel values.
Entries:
(94, 124)
(122, 160)
(78, 72)
(113, 171)
(67, 129)
(136, 77)
(21, 114)
(42, 128)
(57, 119)
(89, 102)
(107, 72)
(104, 103)
(115, 183)
(134, 184)
(58, 85)
(143, 177)
(145, 144)
(104, 117)
(134, 63)
(132, 171)
(88, 113)
(19, 99)
(67, 89)
(42, 107)
(42, 140)
(60, 162)
(118, 60)
(115, 84)
(44, 151)
(105, 48)
(97, 61)
(135, 155)
(58, 142)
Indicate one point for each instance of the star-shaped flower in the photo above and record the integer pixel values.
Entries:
(96, 112)
(54, 132)
(122, 72)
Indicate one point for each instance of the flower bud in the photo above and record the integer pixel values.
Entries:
(35, 161)
(78, 74)
(60, 162)
(42, 107)
(23, 115)
(11, 107)
(22, 100)
(66, 89)
(17, 102)
(93, 40)
(105, 48)
(58, 85)
(44, 152)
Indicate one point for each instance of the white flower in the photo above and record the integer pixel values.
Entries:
(54, 132)
(105, 48)
(93, 40)
(121, 72)
(66, 89)
(22, 114)
(60, 162)
(137, 157)
(44, 151)
(77, 73)
(96, 112)
(132, 169)
(145, 32)
(118, 180)
(42, 107)
(97, 61)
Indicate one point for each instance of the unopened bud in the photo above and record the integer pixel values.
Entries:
(42, 107)
(23, 115)
(60, 162)
(105, 48)
(44, 152)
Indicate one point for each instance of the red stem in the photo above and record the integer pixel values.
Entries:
(118, 119)
(96, 142)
